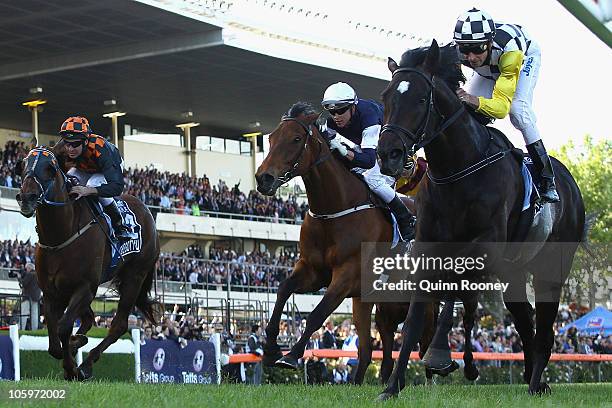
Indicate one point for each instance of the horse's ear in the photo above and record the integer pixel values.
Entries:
(33, 143)
(19, 167)
(392, 64)
(432, 60)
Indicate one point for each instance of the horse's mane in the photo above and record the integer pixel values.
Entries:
(301, 108)
(449, 68)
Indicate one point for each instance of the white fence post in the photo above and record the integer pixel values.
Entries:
(136, 340)
(216, 340)
(14, 334)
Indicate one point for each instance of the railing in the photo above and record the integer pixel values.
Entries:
(230, 269)
(218, 214)
(11, 193)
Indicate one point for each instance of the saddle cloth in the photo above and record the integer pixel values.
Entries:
(118, 252)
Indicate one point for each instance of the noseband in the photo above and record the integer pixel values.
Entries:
(416, 140)
(44, 192)
(308, 128)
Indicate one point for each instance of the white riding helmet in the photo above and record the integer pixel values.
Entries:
(474, 26)
(339, 95)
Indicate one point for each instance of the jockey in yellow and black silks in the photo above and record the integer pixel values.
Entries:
(506, 61)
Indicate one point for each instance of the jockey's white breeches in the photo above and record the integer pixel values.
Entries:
(91, 180)
(380, 184)
(522, 116)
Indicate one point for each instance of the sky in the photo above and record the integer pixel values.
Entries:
(572, 97)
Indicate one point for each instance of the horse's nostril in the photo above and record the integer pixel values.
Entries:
(265, 179)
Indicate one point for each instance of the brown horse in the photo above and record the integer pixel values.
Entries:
(72, 253)
(330, 249)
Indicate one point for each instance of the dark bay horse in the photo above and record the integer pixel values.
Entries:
(330, 249)
(72, 253)
(474, 194)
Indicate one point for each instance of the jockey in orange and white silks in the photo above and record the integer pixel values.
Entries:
(507, 63)
(98, 166)
(360, 120)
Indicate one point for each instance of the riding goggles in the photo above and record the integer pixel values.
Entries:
(339, 111)
(477, 48)
(74, 144)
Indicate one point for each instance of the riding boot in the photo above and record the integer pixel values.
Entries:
(122, 232)
(541, 160)
(405, 220)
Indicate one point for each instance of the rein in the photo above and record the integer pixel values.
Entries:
(418, 140)
(291, 172)
(43, 199)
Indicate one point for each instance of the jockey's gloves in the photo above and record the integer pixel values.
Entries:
(338, 145)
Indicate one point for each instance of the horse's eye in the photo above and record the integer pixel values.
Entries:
(422, 101)
(297, 138)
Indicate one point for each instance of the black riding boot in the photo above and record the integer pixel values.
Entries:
(122, 232)
(541, 160)
(405, 220)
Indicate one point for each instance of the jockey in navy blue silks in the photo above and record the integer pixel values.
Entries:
(98, 166)
(360, 120)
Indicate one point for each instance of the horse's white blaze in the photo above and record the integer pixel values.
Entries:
(403, 86)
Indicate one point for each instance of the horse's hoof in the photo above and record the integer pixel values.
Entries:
(287, 361)
(84, 375)
(541, 389)
(444, 371)
(85, 372)
(269, 359)
(56, 353)
(78, 340)
(384, 396)
(471, 373)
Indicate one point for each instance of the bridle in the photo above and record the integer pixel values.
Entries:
(413, 141)
(43, 197)
(418, 138)
(292, 172)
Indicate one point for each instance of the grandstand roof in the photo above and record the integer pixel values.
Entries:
(154, 62)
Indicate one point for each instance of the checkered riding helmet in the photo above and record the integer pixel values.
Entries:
(75, 128)
(474, 26)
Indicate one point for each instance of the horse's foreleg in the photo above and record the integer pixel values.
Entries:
(337, 291)
(470, 371)
(53, 311)
(79, 339)
(129, 291)
(362, 316)
(79, 303)
(387, 334)
(411, 332)
(304, 279)
(438, 357)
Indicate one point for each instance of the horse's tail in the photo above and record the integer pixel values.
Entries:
(148, 306)
(589, 222)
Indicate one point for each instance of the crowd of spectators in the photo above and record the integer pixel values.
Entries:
(193, 195)
(15, 254)
(12, 152)
(179, 193)
(255, 268)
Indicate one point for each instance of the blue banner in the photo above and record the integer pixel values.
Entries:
(7, 364)
(164, 361)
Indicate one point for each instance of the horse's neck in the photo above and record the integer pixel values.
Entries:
(56, 224)
(331, 188)
(462, 144)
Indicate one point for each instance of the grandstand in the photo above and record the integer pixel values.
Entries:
(165, 63)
